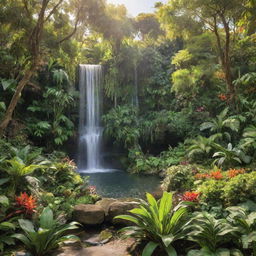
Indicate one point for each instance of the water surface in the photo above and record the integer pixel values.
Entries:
(117, 184)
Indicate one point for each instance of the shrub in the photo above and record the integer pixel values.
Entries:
(240, 188)
(211, 191)
(245, 224)
(229, 192)
(211, 234)
(179, 177)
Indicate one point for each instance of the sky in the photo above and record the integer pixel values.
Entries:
(137, 6)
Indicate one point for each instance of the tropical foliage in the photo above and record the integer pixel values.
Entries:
(158, 222)
(42, 240)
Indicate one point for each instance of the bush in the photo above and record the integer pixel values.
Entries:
(230, 191)
(240, 188)
(211, 191)
(179, 177)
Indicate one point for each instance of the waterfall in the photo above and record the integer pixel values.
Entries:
(90, 131)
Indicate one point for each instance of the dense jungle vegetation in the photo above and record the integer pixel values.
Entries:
(179, 98)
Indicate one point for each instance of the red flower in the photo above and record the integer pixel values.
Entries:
(190, 196)
(222, 97)
(217, 175)
(234, 172)
(26, 202)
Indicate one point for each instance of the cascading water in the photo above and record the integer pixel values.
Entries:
(90, 132)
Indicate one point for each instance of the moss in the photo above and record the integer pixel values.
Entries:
(105, 235)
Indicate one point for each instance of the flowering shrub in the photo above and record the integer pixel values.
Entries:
(217, 175)
(234, 172)
(26, 203)
(190, 196)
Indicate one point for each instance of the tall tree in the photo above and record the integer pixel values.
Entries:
(45, 10)
(35, 16)
(183, 17)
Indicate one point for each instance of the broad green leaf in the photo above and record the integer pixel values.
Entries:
(149, 249)
(26, 225)
(46, 218)
(171, 251)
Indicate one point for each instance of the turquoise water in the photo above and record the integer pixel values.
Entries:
(119, 184)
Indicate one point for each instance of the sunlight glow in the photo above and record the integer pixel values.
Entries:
(136, 6)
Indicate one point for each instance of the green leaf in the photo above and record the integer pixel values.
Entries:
(171, 251)
(6, 226)
(128, 217)
(7, 83)
(149, 248)
(3, 181)
(26, 225)
(4, 200)
(46, 218)
(23, 239)
(167, 240)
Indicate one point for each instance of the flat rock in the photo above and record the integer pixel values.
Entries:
(88, 214)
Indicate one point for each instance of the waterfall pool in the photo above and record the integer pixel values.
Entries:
(118, 184)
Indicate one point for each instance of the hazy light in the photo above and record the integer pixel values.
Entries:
(137, 6)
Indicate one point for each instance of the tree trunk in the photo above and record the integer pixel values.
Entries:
(34, 43)
(15, 98)
(224, 52)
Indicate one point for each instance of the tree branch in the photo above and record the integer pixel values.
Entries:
(74, 30)
(53, 10)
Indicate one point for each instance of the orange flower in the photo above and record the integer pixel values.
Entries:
(190, 196)
(217, 175)
(26, 202)
(234, 172)
(222, 97)
(202, 176)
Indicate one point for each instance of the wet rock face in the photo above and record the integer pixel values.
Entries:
(89, 214)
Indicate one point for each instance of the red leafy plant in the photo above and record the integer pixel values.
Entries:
(26, 203)
(190, 196)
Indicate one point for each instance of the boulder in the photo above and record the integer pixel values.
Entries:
(105, 204)
(89, 214)
(119, 208)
